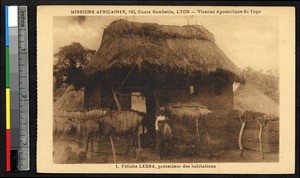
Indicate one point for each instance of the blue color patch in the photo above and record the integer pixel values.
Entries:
(6, 27)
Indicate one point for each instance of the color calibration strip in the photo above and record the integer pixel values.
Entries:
(17, 89)
(7, 88)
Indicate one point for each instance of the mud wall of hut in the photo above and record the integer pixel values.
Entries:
(270, 136)
(208, 95)
(224, 127)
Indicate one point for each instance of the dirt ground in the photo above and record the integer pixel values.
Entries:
(67, 150)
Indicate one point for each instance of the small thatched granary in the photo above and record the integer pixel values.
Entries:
(254, 103)
(166, 64)
(72, 99)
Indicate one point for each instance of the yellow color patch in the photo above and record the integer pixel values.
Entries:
(7, 108)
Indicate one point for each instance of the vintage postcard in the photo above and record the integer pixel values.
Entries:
(166, 89)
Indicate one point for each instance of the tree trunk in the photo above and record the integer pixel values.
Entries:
(113, 149)
(197, 127)
(260, 140)
(119, 107)
(241, 135)
(207, 136)
(150, 118)
(139, 155)
(139, 141)
(92, 144)
(87, 144)
(260, 143)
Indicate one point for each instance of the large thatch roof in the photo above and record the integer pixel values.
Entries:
(189, 49)
(249, 98)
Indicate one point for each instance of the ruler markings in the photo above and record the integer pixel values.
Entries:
(24, 88)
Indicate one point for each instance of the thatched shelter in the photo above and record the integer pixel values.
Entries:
(166, 64)
(254, 105)
(72, 99)
(191, 110)
(249, 98)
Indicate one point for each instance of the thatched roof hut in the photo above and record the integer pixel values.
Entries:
(249, 98)
(188, 50)
(172, 66)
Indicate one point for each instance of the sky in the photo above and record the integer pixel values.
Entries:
(248, 41)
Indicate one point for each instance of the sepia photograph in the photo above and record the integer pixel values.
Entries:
(137, 90)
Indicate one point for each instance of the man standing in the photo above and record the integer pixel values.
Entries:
(163, 133)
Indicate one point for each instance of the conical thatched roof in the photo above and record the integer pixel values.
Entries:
(71, 100)
(249, 98)
(189, 49)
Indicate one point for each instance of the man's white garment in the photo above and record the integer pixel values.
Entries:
(159, 118)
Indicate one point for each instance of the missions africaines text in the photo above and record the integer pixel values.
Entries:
(119, 12)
